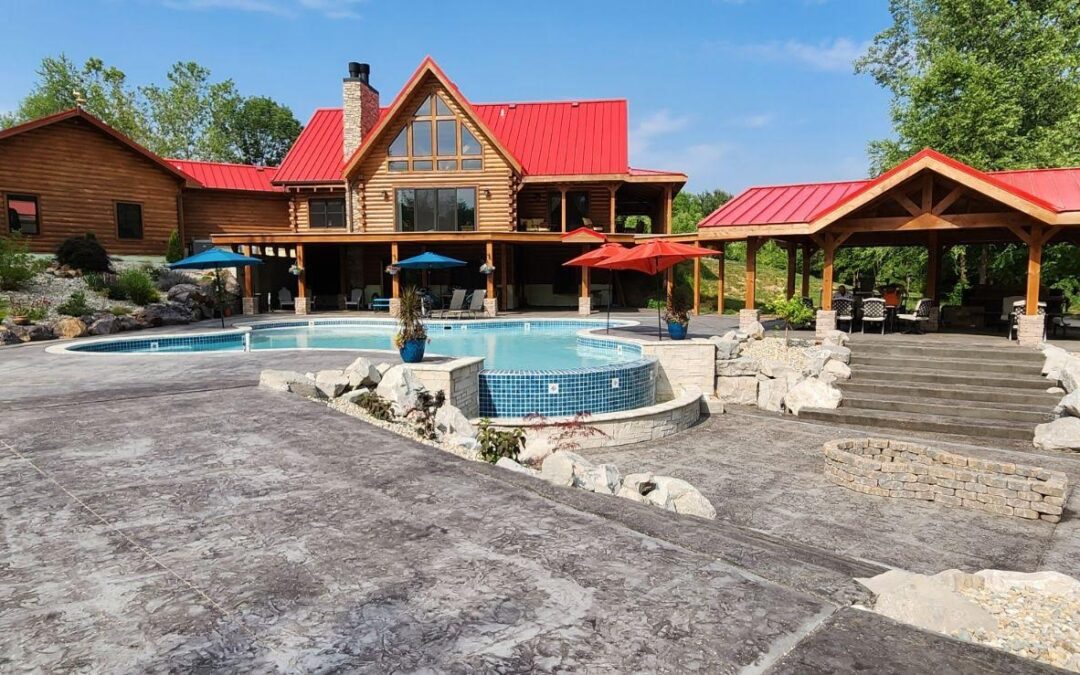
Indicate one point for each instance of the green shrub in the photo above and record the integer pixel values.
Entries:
(83, 253)
(429, 405)
(119, 310)
(174, 250)
(376, 406)
(96, 282)
(17, 265)
(75, 305)
(792, 312)
(136, 286)
(35, 309)
(496, 444)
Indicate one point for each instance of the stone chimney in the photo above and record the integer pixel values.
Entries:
(360, 108)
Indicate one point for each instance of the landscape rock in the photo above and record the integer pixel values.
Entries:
(635, 486)
(755, 330)
(812, 393)
(602, 478)
(511, 465)
(332, 383)
(1055, 390)
(1055, 361)
(537, 448)
(675, 494)
(726, 349)
(354, 395)
(125, 323)
(837, 352)
(1070, 374)
(289, 381)
(190, 295)
(362, 373)
(1044, 582)
(399, 386)
(33, 333)
(733, 336)
(8, 337)
(776, 369)
(771, 394)
(382, 368)
(1070, 405)
(163, 314)
(744, 365)
(1062, 435)
(106, 325)
(836, 337)
(561, 467)
(926, 603)
(69, 327)
(449, 420)
(739, 390)
(838, 369)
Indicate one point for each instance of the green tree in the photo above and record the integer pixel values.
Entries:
(688, 208)
(260, 131)
(174, 250)
(187, 115)
(994, 83)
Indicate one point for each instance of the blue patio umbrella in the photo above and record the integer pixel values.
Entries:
(215, 259)
(429, 261)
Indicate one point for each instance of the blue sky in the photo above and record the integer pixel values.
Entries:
(733, 92)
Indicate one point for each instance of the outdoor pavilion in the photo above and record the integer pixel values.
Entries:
(929, 200)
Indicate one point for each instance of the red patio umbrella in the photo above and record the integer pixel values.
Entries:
(654, 257)
(592, 258)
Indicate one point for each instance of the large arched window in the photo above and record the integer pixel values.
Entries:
(435, 140)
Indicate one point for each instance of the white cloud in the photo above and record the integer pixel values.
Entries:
(331, 9)
(660, 123)
(754, 121)
(828, 55)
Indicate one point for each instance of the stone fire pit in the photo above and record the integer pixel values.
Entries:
(887, 468)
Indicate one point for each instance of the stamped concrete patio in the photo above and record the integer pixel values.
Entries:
(163, 514)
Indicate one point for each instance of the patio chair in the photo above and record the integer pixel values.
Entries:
(457, 302)
(285, 299)
(356, 298)
(1007, 304)
(1019, 309)
(845, 311)
(918, 317)
(476, 304)
(873, 312)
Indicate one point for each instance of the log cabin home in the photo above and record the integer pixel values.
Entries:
(517, 187)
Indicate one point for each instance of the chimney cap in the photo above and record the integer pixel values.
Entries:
(359, 71)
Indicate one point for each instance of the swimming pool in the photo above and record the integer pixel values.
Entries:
(551, 367)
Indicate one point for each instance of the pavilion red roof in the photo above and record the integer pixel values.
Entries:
(227, 176)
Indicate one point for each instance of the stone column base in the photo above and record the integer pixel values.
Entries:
(341, 302)
(748, 317)
(491, 307)
(826, 323)
(584, 306)
(934, 323)
(250, 306)
(395, 307)
(303, 305)
(1030, 330)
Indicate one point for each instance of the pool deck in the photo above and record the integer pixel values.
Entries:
(165, 514)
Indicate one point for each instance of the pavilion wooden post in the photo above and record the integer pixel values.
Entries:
(806, 254)
(668, 202)
(491, 303)
(250, 301)
(343, 277)
(792, 251)
(720, 278)
(752, 244)
(697, 286)
(933, 268)
(585, 292)
(502, 276)
(611, 207)
(562, 207)
(1034, 271)
(395, 280)
(827, 276)
(302, 302)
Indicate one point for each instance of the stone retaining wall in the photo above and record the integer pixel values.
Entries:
(458, 378)
(682, 365)
(889, 468)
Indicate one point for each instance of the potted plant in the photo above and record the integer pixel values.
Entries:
(20, 313)
(412, 337)
(677, 315)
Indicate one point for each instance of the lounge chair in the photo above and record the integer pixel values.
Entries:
(285, 299)
(873, 312)
(356, 298)
(476, 304)
(845, 311)
(457, 302)
(920, 316)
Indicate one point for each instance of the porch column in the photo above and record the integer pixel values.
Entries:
(395, 282)
(751, 272)
(491, 303)
(697, 286)
(303, 302)
(343, 277)
(720, 278)
(806, 254)
(933, 274)
(826, 317)
(669, 283)
(584, 306)
(562, 207)
(503, 299)
(612, 189)
(667, 210)
(792, 250)
(250, 300)
(1031, 326)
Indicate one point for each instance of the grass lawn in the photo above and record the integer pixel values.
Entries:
(771, 284)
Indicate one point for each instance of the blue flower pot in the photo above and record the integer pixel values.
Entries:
(676, 331)
(413, 351)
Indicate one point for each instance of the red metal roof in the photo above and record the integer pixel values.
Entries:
(1055, 189)
(316, 156)
(226, 176)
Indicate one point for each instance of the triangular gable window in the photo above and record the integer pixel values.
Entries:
(469, 144)
(435, 140)
(441, 109)
(425, 109)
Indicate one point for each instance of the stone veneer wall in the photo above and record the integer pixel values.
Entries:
(682, 365)
(888, 468)
(639, 425)
(458, 378)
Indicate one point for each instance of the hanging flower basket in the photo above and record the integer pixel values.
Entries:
(392, 270)
(487, 268)
(296, 270)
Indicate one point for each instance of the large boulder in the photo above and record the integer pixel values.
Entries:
(332, 383)
(1070, 374)
(190, 295)
(33, 333)
(8, 337)
(755, 330)
(400, 386)
(602, 478)
(362, 373)
(838, 369)
(511, 465)
(1054, 583)
(69, 327)
(106, 325)
(290, 381)
(726, 349)
(744, 365)
(449, 420)
(812, 393)
(776, 369)
(771, 393)
(836, 337)
(1055, 361)
(163, 314)
(739, 390)
(1070, 405)
(635, 486)
(562, 468)
(675, 494)
(1062, 435)
(927, 603)
(837, 352)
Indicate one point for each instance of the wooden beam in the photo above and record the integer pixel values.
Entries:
(301, 279)
(395, 280)
(562, 206)
(807, 252)
(927, 192)
(249, 281)
(933, 267)
(697, 286)
(752, 246)
(903, 200)
(503, 271)
(1034, 271)
(947, 201)
(827, 276)
(720, 279)
(1049, 233)
(792, 261)
(611, 207)
(489, 256)
(668, 201)
(948, 221)
(1020, 232)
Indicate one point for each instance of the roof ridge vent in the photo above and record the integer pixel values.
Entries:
(574, 104)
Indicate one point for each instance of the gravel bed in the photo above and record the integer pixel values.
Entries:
(773, 349)
(401, 428)
(56, 291)
(1032, 623)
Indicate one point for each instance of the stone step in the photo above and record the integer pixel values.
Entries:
(939, 424)
(928, 376)
(1012, 412)
(915, 349)
(876, 361)
(950, 392)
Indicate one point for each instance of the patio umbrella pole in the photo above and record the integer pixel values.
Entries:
(220, 294)
(659, 334)
(611, 291)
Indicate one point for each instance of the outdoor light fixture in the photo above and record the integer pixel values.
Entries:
(487, 193)
(386, 195)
